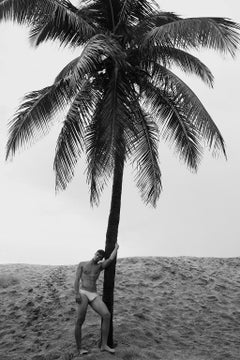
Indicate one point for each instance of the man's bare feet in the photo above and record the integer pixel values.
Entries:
(108, 349)
(82, 352)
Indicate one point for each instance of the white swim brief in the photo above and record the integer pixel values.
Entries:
(90, 295)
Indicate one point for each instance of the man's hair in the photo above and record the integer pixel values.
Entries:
(101, 252)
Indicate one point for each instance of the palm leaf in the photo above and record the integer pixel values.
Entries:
(100, 161)
(150, 22)
(196, 112)
(145, 157)
(156, 19)
(105, 135)
(21, 11)
(133, 11)
(105, 13)
(49, 19)
(100, 141)
(65, 23)
(215, 33)
(169, 56)
(98, 48)
(177, 127)
(33, 118)
(70, 143)
(31, 11)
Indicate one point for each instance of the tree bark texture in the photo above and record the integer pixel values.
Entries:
(111, 239)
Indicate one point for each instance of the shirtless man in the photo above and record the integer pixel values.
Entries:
(88, 273)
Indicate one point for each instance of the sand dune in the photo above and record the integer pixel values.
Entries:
(165, 308)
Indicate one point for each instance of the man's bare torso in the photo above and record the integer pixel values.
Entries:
(89, 275)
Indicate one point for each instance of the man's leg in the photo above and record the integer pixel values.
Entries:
(98, 305)
(81, 314)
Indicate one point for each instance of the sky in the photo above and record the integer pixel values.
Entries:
(196, 215)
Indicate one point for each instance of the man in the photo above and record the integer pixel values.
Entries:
(88, 273)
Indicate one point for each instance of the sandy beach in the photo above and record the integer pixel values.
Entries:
(165, 308)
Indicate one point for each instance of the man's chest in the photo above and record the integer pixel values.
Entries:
(91, 270)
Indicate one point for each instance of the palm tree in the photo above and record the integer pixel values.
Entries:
(121, 93)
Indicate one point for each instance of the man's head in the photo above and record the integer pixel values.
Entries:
(99, 255)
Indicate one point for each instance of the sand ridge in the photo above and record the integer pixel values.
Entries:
(165, 308)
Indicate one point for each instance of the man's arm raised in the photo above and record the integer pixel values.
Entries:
(107, 262)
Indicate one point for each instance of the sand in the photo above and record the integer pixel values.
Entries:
(165, 308)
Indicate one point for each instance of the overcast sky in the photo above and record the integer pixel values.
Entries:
(197, 215)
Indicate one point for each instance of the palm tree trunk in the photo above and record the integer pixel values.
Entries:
(111, 239)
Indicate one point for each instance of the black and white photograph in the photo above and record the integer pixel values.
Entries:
(119, 180)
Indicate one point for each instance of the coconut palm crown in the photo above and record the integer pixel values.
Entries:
(121, 89)
(121, 94)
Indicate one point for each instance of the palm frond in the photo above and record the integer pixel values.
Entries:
(21, 11)
(100, 161)
(150, 22)
(177, 127)
(98, 47)
(33, 118)
(215, 33)
(31, 11)
(133, 11)
(50, 19)
(143, 8)
(105, 13)
(195, 110)
(145, 157)
(105, 136)
(65, 23)
(70, 143)
(169, 56)
(100, 141)
(156, 19)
